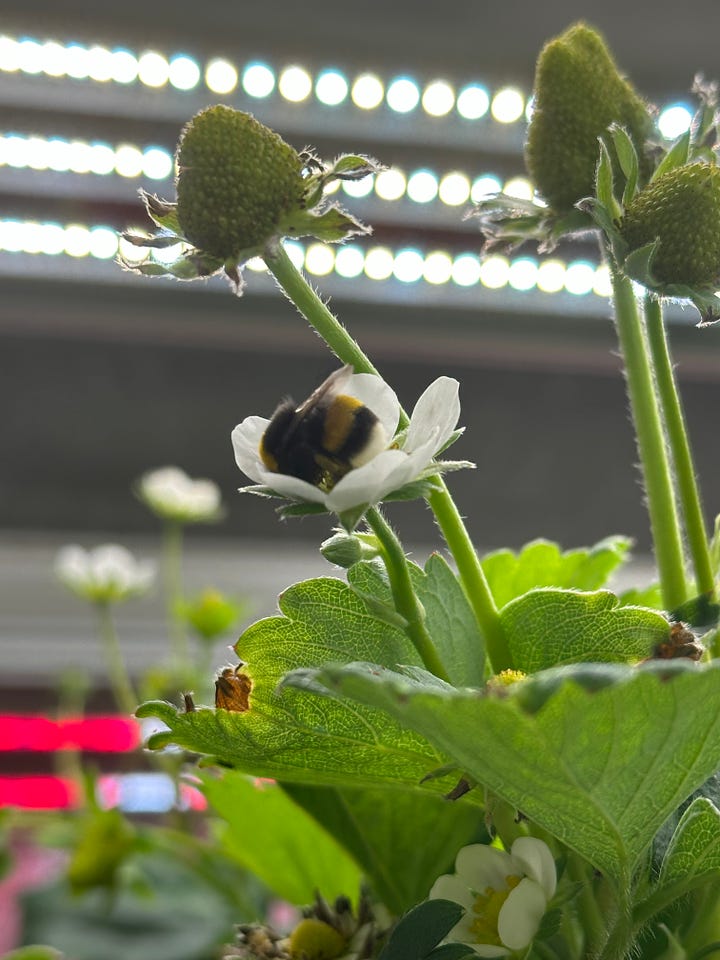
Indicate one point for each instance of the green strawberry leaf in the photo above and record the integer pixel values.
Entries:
(286, 847)
(586, 766)
(547, 628)
(301, 738)
(543, 564)
(693, 856)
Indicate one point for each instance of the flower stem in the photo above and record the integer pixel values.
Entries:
(406, 601)
(688, 491)
(651, 444)
(122, 687)
(172, 577)
(472, 577)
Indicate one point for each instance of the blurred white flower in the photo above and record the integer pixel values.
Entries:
(505, 895)
(104, 575)
(402, 460)
(173, 495)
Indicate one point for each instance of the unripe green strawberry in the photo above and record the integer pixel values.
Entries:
(681, 209)
(237, 180)
(578, 94)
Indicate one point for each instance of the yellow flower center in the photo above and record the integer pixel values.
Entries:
(487, 909)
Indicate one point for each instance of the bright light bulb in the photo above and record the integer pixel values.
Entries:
(438, 98)
(128, 251)
(100, 64)
(101, 160)
(184, 73)
(128, 161)
(37, 150)
(331, 88)
(59, 155)
(522, 274)
(454, 189)
(296, 252)
(402, 95)
(519, 187)
(258, 80)
(124, 66)
(674, 121)
(367, 91)
(466, 270)
(422, 186)
(103, 243)
(390, 184)
(9, 55)
(349, 262)
(221, 76)
(551, 276)
(30, 56)
(153, 69)
(438, 267)
(15, 152)
(358, 188)
(295, 84)
(408, 266)
(157, 163)
(603, 284)
(473, 102)
(494, 272)
(484, 187)
(54, 59)
(256, 264)
(11, 235)
(77, 240)
(52, 239)
(32, 237)
(507, 105)
(78, 61)
(579, 278)
(319, 259)
(80, 157)
(379, 263)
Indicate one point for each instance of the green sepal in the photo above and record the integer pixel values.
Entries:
(676, 156)
(161, 212)
(331, 226)
(354, 167)
(349, 519)
(384, 612)
(604, 183)
(158, 241)
(699, 611)
(298, 509)
(190, 266)
(638, 265)
(628, 159)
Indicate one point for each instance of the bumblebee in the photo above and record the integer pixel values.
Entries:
(325, 437)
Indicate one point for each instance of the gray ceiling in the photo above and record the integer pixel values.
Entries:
(661, 46)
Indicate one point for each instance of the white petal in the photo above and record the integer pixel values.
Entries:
(537, 862)
(366, 484)
(438, 408)
(292, 487)
(378, 396)
(72, 565)
(450, 887)
(520, 915)
(246, 439)
(481, 866)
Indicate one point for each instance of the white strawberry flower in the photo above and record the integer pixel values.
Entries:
(171, 494)
(505, 895)
(107, 574)
(398, 461)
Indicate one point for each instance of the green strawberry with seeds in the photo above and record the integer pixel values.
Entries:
(579, 93)
(681, 211)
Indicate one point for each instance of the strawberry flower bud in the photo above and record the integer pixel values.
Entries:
(579, 93)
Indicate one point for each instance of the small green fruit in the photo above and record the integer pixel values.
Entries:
(315, 940)
(237, 180)
(681, 210)
(579, 93)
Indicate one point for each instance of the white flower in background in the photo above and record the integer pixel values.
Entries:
(173, 495)
(397, 462)
(505, 895)
(104, 575)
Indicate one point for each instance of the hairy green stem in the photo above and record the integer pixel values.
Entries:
(470, 571)
(172, 578)
(676, 428)
(404, 596)
(651, 444)
(589, 912)
(122, 687)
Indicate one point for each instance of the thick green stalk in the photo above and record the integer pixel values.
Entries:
(651, 444)
(676, 428)
(404, 596)
(472, 577)
(122, 687)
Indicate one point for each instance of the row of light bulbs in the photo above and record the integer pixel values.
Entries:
(422, 186)
(349, 261)
(296, 84)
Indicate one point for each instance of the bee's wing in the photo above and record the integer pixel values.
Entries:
(334, 384)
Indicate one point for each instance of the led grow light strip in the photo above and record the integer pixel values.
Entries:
(130, 792)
